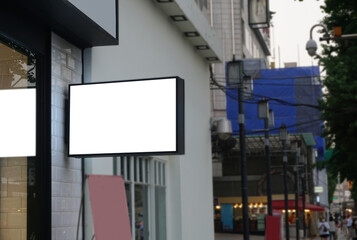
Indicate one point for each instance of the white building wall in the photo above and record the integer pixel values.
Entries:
(151, 46)
(320, 179)
(66, 172)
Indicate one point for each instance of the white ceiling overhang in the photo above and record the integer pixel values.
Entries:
(188, 18)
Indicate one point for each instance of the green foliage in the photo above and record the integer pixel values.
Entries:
(339, 104)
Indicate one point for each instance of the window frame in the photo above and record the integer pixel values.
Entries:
(28, 34)
(154, 174)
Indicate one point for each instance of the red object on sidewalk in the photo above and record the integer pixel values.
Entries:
(272, 227)
(109, 207)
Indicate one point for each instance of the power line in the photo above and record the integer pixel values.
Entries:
(280, 78)
(281, 84)
(310, 122)
(224, 89)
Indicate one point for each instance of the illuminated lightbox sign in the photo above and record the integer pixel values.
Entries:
(127, 117)
(318, 189)
(18, 122)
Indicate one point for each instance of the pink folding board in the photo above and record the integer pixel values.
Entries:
(109, 207)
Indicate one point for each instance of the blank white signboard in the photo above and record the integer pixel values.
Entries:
(18, 122)
(123, 117)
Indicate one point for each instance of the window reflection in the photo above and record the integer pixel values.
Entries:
(128, 200)
(141, 213)
(17, 175)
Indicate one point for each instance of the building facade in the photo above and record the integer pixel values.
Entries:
(293, 95)
(46, 47)
(239, 40)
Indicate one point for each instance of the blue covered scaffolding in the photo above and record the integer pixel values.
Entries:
(293, 95)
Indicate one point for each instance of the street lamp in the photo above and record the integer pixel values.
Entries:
(303, 180)
(283, 135)
(268, 115)
(235, 78)
(239, 75)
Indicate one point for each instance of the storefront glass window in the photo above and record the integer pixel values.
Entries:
(145, 187)
(128, 197)
(17, 174)
(141, 213)
(160, 200)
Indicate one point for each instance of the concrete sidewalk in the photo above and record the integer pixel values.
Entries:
(235, 236)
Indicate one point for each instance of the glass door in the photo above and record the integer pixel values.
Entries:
(17, 139)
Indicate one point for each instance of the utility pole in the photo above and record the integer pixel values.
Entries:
(303, 180)
(296, 172)
(241, 121)
(267, 156)
(285, 162)
(237, 76)
(284, 138)
(268, 115)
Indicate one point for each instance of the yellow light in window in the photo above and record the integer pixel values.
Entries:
(218, 207)
(236, 205)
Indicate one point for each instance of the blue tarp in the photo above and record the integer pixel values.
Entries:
(293, 88)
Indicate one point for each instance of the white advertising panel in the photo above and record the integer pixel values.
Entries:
(18, 122)
(318, 189)
(126, 117)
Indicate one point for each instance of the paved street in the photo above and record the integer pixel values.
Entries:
(230, 236)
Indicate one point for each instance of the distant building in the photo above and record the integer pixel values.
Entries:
(290, 64)
(342, 203)
(230, 20)
(292, 94)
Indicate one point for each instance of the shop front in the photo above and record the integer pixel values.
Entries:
(229, 216)
(26, 89)
(45, 46)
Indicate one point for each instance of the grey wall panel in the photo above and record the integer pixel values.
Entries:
(102, 12)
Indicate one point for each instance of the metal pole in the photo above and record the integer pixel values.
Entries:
(115, 166)
(241, 121)
(339, 194)
(296, 195)
(303, 179)
(267, 155)
(285, 161)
